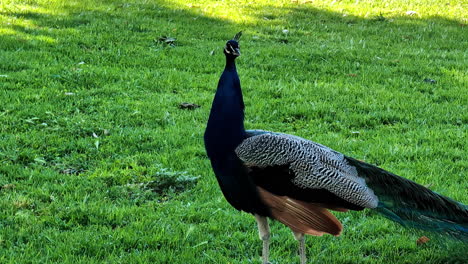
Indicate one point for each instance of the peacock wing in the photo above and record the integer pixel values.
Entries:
(306, 165)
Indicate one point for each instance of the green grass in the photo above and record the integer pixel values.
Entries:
(99, 165)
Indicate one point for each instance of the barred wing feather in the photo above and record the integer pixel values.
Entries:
(315, 166)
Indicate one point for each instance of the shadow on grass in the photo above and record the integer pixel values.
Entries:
(118, 32)
(318, 37)
(193, 24)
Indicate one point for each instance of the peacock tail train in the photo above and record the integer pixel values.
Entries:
(413, 205)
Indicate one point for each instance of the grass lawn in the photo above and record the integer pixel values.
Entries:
(98, 164)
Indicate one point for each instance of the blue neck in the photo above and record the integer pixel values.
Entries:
(230, 64)
(224, 132)
(225, 129)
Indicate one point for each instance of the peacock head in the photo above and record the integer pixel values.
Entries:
(232, 46)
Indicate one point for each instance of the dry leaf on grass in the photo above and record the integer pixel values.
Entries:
(422, 240)
(189, 106)
(8, 187)
(167, 40)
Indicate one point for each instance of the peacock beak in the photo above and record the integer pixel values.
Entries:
(231, 50)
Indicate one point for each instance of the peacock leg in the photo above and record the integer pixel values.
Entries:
(264, 233)
(301, 239)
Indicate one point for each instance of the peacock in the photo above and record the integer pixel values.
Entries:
(297, 181)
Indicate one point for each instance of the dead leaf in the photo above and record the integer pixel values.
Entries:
(431, 81)
(168, 40)
(71, 171)
(422, 240)
(8, 187)
(189, 106)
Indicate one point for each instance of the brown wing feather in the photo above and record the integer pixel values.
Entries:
(308, 218)
(334, 208)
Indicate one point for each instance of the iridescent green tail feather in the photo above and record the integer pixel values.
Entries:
(413, 205)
